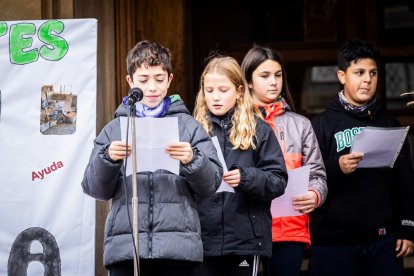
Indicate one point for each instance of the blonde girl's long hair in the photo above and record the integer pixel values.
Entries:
(243, 130)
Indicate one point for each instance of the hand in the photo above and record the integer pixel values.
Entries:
(305, 203)
(349, 162)
(117, 150)
(404, 248)
(180, 151)
(232, 178)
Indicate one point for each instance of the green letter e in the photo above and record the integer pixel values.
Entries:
(18, 43)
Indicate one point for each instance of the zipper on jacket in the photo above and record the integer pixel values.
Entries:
(369, 114)
(223, 124)
(151, 216)
(226, 142)
(282, 140)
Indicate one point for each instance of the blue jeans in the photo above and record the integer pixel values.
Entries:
(372, 258)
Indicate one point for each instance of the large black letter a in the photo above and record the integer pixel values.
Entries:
(20, 255)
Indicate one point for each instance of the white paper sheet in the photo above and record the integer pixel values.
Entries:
(298, 182)
(224, 187)
(380, 146)
(153, 135)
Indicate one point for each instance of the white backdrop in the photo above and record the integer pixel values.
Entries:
(47, 224)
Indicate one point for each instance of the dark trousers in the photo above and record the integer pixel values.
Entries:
(373, 258)
(154, 268)
(286, 259)
(229, 266)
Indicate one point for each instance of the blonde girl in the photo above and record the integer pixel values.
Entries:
(236, 225)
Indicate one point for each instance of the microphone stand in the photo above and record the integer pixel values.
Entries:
(135, 229)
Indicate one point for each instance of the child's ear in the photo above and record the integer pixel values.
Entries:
(341, 76)
(130, 81)
(170, 78)
(240, 91)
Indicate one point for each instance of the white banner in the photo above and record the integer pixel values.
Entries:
(47, 127)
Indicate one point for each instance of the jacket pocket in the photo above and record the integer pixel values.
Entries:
(256, 217)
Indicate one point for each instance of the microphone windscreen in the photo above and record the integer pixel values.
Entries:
(135, 95)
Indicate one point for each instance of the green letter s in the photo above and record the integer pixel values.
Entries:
(57, 46)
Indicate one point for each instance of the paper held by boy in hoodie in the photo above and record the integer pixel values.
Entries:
(153, 135)
(380, 146)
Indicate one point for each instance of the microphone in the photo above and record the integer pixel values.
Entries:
(135, 95)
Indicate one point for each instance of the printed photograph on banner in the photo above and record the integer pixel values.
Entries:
(58, 110)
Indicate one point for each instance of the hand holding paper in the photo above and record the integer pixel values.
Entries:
(232, 178)
(181, 151)
(117, 150)
(305, 203)
(349, 162)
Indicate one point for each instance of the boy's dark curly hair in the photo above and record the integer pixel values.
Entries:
(355, 49)
(149, 53)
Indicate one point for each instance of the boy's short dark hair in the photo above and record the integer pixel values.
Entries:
(149, 53)
(355, 49)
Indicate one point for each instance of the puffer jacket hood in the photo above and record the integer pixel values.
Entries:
(177, 106)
